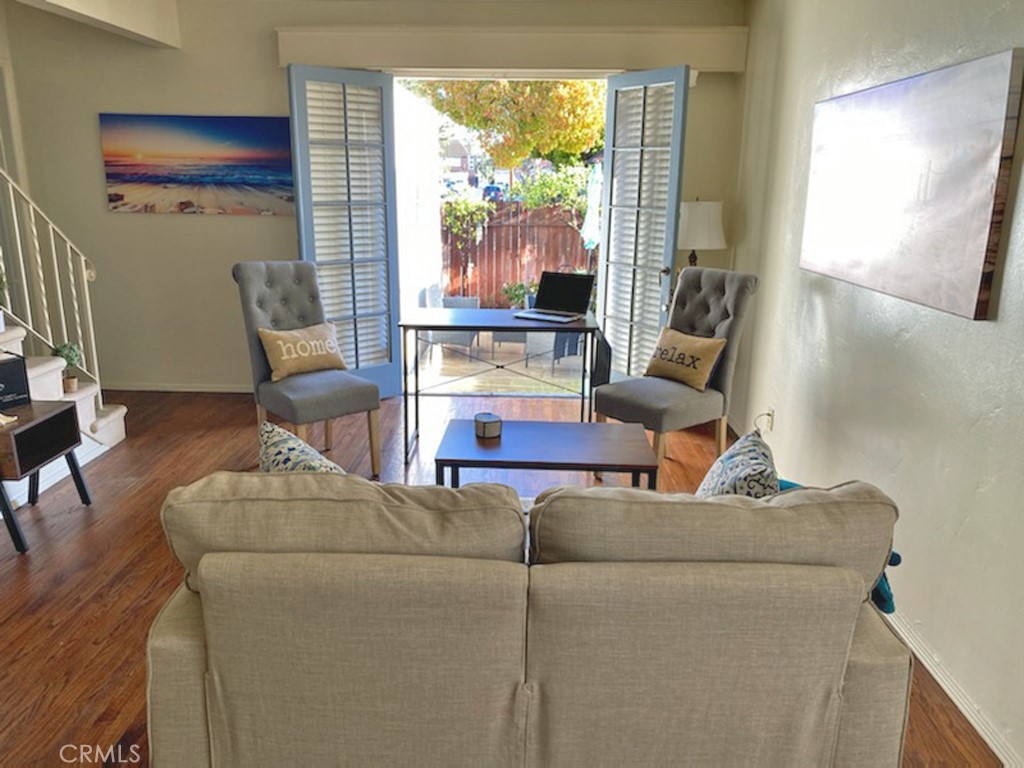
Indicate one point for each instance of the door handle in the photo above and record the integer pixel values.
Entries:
(663, 273)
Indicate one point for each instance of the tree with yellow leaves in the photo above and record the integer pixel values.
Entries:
(559, 120)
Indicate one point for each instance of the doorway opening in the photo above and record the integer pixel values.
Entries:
(345, 150)
(498, 181)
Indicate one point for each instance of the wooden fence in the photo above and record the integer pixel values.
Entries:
(517, 245)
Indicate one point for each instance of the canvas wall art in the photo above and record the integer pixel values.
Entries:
(909, 182)
(198, 164)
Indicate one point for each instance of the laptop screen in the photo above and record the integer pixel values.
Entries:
(564, 292)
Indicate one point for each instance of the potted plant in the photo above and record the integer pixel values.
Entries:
(72, 354)
(519, 294)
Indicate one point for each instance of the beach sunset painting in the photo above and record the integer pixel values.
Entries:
(198, 164)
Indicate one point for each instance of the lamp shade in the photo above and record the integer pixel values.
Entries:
(700, 226)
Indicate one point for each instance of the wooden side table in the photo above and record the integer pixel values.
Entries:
(43, 432)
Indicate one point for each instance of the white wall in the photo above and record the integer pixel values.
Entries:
(711, 156)
(166, 309)
(418, 198)
(11, 150)
(925, 405)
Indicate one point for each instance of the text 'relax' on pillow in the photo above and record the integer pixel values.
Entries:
(746, 469)
(300, 351)
(685, 358)
(281, 451)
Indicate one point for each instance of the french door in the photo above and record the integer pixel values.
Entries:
(643, 161)
(343, 156)
(343, 149)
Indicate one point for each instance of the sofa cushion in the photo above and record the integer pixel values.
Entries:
(364, 660)
(698, 664)
(281, 451)
(746, 469)
(315, 512)
(850, 525)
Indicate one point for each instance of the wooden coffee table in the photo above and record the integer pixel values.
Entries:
(558, 445)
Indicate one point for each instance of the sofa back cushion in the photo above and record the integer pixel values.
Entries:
(850, 525)
(312, 512)
(364, 659)
(687, 663)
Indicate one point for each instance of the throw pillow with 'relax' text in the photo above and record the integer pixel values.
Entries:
(685, 358)
(300, 351)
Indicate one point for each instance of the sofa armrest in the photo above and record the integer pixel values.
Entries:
(876, 693)
(176, 696)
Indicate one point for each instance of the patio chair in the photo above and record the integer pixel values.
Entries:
(432, 297)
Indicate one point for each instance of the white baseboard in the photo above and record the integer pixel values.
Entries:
(175, 387)
(924, 653)
(55, 471)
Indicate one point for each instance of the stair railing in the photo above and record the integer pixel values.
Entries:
(45, 278)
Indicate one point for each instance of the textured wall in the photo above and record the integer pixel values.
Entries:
(925, 405)
(165, 306)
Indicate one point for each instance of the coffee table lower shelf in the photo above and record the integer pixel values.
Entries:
(560, 446)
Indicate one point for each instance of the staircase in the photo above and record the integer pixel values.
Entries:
(45, 301)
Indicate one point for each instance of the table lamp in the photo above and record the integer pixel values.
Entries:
(700, 226)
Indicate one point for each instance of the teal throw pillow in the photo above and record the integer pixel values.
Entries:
(746, 469)
(281, 451)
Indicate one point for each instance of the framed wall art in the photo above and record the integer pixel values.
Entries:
(909, 182)
(197, 164)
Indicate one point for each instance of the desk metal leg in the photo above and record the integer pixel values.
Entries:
(636, 479)
(411, 436)
(12, 522)
(76, 473)
(33, 488)
(416, 384)
(583, 377)
(405, 393)
(455, 475)
(652, 479)
(438, 473)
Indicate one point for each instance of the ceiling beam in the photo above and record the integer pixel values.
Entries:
(514, 51)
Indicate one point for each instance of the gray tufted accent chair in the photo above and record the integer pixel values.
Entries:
(285, 295)
(707, 302)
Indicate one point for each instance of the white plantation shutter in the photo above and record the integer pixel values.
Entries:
(643, 169)
(344, 168)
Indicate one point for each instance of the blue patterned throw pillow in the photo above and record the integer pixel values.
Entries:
(746, 469)
(281, 451)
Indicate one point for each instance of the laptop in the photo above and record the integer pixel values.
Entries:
(563, 297)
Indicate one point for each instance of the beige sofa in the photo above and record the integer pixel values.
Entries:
(327, 620)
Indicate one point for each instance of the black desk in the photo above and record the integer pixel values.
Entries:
(421, 320)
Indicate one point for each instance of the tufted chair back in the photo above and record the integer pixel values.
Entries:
(712, 302)
(282, 295)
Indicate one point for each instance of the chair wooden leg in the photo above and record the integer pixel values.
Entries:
(302, 432)
(660, 445)
(261, 415)
(329, 434)
(722, 434)
(373, 423)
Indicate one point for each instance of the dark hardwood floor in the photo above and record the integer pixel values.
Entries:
(75, 610)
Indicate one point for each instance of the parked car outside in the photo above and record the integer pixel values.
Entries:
(494, 193)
